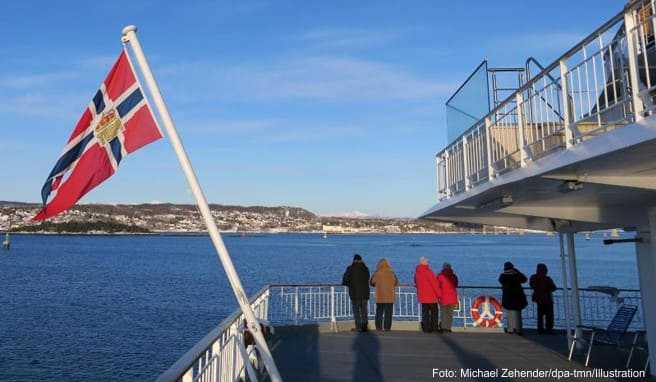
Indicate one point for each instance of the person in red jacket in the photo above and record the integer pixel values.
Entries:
(428, 294)
(448, 283)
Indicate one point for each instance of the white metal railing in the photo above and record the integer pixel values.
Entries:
(640, 29)
(222, 355)
(302, 304)
(606, 81)
(504, 138)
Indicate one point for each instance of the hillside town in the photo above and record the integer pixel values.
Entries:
(183, 218)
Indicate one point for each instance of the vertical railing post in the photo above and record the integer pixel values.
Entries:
(634, 78)
(447, 174)
(188, 376)
(488, 145)
(440, 179)
(523, 154)
(465, 159)
(266, 303)
(564, 95)
(333, 319)
(216, 353)
(296, 307)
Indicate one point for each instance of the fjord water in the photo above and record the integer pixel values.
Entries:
(121, 308)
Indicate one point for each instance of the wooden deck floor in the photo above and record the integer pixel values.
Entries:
(309, 353)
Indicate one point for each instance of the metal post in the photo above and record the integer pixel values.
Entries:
(563, 269)
(571, 254)
(465, 160)
(130, 36)
(646, 264)
(447, 174)
(634, 78)
(488, 144)
(564, 95)
(523, 154)
(438, 177)
(296, 307)
(266, 303)
(333, 319)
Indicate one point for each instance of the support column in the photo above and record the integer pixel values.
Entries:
(646, 259)
(563, 269)
(571, 254)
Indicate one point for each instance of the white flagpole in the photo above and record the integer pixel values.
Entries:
(130, 35)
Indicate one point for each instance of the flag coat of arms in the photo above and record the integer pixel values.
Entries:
(117, 122)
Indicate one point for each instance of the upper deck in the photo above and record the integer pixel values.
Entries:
(570, 149)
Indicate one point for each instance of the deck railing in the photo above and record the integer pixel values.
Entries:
(606, 81)
(302, 304)
(222, 355)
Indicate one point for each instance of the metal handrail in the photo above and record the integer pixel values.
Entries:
(182, 365)
(618, 17)
(269, 286)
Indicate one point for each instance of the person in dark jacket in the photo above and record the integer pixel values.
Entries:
(428, 294)
(356, 278)
(543, 288)
(513, 298)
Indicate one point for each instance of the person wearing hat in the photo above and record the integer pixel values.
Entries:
(543, 288)
(356, 278)
(385, 280)
(428, 294)
(513, 298)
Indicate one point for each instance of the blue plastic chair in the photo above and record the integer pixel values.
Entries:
(612, 335)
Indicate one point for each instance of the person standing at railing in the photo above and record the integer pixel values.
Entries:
(513, 299)
(356, 278)
(448, 282)
(385, 280)
(428, 294)
(543, 288)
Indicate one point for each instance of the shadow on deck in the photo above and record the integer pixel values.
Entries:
(312, 353)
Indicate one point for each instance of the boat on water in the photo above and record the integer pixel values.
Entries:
(565, 149)
(6, 243)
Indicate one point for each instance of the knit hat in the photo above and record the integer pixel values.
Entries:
(508, 265)
(357, 257)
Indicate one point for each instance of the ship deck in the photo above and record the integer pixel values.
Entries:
(311, 353)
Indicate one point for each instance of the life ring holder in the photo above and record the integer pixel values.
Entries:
(486, 318)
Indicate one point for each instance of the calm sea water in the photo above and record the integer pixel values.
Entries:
(121, 308)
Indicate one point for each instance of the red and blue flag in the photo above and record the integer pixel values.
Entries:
(117, 122)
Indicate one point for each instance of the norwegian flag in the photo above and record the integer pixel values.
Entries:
(117, 122)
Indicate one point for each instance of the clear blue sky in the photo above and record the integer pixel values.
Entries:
(329, 105)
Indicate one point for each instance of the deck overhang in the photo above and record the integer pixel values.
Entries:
(604, 182)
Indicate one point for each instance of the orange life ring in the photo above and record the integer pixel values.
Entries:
(486, 318)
